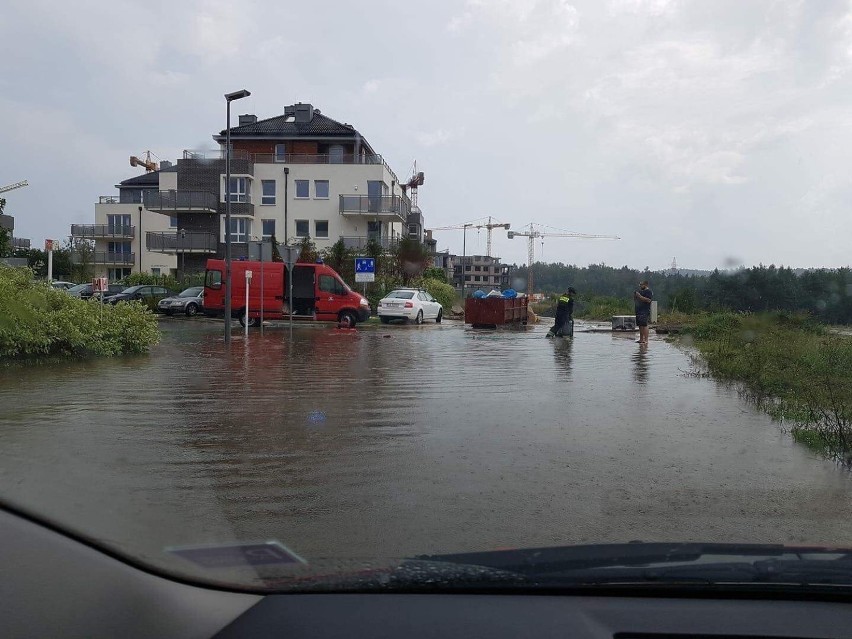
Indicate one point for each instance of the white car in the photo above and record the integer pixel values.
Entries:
(412, 304)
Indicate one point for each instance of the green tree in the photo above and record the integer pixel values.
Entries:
(276, 254)
(433, 273)
(5, 243)
(411, 258)
(309, 251)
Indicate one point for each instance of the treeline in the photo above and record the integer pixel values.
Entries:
(825, 293)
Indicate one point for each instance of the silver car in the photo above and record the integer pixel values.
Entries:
(189, 302)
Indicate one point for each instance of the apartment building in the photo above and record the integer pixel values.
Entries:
(120, 224)
(297, 175)
(480, 271)
(7, 222)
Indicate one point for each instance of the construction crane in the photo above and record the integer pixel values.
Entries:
(490, 225)
(535, 233)
(12, 187)
(414, 181)
(148, 163)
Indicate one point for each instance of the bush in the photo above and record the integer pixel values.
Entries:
(441, 291)
(169, 281)
(40, 321)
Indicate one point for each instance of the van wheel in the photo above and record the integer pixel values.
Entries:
(350, 315)
(242, 319)
(440, 316)
(253, 321)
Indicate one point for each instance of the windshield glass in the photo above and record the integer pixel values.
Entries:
(632, 217)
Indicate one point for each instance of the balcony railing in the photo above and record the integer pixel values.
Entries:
(362, 242)
(103, 257)
(174, 201)
(375, 205)
(176, 242)
(103, 230)
(20, 243)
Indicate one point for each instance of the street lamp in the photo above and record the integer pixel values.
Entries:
(465, 227)
(229, 97)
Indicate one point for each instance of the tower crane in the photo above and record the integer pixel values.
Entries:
(414, 181)
(12, 187)
(489, 226)
(533, 233)
(148, 163)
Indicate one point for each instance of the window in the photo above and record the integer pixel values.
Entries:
(280, 152)
(303, 188)
(412, 231)
(330, 284)
(422, 296)
(268, 228)
(122, 248)
(155, 270)
(173, 221)
(118, 223)
(303, 229)
(240, 229)
(268, 188)
(336, 154)
(114, 274)
(240, 189)
(213, 279)
(321, 189)
(321, 228)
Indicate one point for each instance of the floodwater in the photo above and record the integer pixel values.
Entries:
(404, 440)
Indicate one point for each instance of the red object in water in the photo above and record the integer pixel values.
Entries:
(491, 312)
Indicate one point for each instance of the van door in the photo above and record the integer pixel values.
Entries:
(304, 290)
(331, 297)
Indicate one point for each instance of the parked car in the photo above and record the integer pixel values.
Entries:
(319, 293)
(411, 304)
(85, 291)
(62, 286)
(150, 295)
(189, 301)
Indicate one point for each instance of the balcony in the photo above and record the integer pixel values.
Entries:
(362, 242)
(172, 202)
(189, 242)
(393, 206)
(103, 257)
(97, 231)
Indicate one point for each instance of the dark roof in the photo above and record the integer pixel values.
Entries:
(320, 125)
(146, 179)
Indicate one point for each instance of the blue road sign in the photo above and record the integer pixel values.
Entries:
(365, 265)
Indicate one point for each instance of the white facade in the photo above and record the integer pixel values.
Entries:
(313, 202)
(109, 247)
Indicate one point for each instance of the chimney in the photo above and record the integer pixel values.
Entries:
(304, 112)
(247, 119)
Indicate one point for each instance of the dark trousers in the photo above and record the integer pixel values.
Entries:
(564, 328)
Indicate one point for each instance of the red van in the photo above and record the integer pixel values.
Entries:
(319, 293)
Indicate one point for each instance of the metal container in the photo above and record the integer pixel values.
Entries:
(491, 312)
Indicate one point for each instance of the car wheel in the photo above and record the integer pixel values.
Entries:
(191, 309)
(419, 318)
(351, 316)
(384, 320)
(440, 316)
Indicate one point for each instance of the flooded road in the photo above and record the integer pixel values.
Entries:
(404, 440)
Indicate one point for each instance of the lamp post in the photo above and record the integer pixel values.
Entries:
(229, 97)
(465, 227)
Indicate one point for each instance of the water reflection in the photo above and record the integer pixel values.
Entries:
(640, 364)
(562, 355)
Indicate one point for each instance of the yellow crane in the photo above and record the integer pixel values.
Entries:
(534, 233)
(490, 225)
(147, 162)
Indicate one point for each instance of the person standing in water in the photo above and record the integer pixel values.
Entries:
(564, 314)
(642, 304)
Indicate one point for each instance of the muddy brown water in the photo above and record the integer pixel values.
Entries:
(404, 440)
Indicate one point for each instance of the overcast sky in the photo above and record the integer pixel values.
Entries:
(717, 132)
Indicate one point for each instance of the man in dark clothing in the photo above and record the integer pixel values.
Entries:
(642, 302)
(564, 315)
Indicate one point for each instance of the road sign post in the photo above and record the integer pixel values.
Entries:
(290, 255)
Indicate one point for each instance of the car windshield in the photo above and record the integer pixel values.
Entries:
(633, 217)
